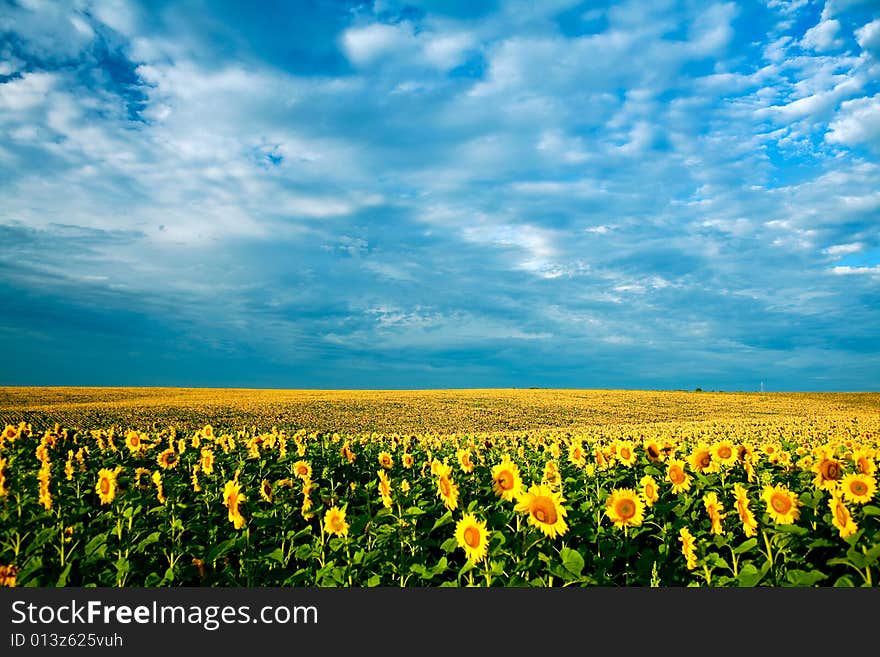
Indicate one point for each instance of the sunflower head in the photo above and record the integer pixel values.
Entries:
(334, 522)
(676, 475)
(545, 510)
(841, 518)
(649, 490)
(625, 508)
(782, 504)
(266, 490)
(168, 459)
(858, 488)
(506, 481)
(472, 536)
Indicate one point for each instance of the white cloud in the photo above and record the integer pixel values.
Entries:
(857, 122)
(365, 44)
(27, 92)
(822, 36)
(868, 36)
(859, 271)
(838, 250)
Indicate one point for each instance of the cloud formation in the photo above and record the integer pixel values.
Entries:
(388, 194)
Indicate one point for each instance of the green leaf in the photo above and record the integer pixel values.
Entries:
(413, 511)
(572, 561)
(219, 550)
(871, 510)
(62, 578)
(749, 575)
(449, 545)
(277, 555)
(374, 580)
(96, 547)
(805, 577)
(149, 540)
(445, 519)
(745, 546)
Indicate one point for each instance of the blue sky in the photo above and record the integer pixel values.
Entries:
(441, 194)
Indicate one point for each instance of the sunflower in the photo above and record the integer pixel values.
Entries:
(385, 460)
(841, 518)
(626, 453)
(724, 453)
(700, 460)
(576, 454)
(168, 459)
(472, 537)
(447, 490)
(303, 470)
(506, 481)
(266, 490)
(384, 488)
(545, 509)
(653, 450)
(750, 525)
(407, 460)
(206, 461)
(688, 547)
(715, 510)
(551, 476)
(464, 460)
(676, 475)
(233, 498)
(160, 491)
(864, 461)
(346, 453)
(782, 504)
(208, 431)
(828, 471)
(106, 486)
(625, 508)
(68, 468)
(648, 490)
(133, 442)
(142, 478)
(858, 488)
(334, 522)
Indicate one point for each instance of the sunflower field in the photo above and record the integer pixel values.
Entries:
(744, 502)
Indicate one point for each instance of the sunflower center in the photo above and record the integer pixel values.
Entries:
(472, 537)
(505, 480)
(649, 490)
(830, 470)
(444, 486)
(705, 460)
(626, 509)
(841, 513)
(780, 503)
(653, 452)
(858, 488)
(676, 475)
(625, 454)
(544, 510)
(724, 452)
(105, 486)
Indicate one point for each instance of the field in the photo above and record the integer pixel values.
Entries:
(512, 487)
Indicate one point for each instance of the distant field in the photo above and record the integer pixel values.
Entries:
(416, 411)
(197, 487)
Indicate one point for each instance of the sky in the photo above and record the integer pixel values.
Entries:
(426, 194)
